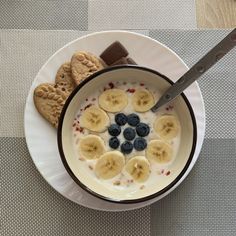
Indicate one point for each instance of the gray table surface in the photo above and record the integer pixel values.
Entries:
(204, 204)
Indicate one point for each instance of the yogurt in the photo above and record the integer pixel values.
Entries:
(124, 181)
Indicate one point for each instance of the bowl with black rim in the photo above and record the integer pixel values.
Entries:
(87, 180)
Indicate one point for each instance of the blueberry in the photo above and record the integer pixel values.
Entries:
(121, 119)
(129, 133)
(133, 119)
(114, 142)
(114, 130)
(126, 147)
(142, 129)
(140, 144)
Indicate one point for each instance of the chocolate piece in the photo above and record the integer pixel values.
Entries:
(131, 61)
(124, 60)
(121, 61)
(113, 53)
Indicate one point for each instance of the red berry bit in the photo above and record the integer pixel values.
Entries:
(167, 173)
(89, 105)
(169, 108)
(111, 85)
(130, 90)
(141, 84)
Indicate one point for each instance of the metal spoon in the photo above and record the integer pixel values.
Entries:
(213, 56)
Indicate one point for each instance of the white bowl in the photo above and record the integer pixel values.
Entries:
(131, 74)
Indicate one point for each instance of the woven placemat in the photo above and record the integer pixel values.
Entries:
(97, 14)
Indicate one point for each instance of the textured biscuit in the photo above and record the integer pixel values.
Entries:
(64, 79)
(49, 102)
(50, 98)
(84, 64)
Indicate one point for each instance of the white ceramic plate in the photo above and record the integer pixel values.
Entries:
(41, 136)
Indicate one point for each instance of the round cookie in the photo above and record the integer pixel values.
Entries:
(49, 102)
(64, 78)
(84, 64)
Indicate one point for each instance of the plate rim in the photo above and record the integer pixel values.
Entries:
(120, 32)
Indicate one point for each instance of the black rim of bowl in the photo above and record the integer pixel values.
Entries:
(83, 186)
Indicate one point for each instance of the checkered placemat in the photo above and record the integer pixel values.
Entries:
(204, 204)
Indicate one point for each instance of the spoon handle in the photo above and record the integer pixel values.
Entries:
(205, 63)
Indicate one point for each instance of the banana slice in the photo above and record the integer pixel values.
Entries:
(113, 100)
(167, 126)
(91, 147)
(142, 100)
(139, 168)
(159, 151)
(94, 119)
(109, 165)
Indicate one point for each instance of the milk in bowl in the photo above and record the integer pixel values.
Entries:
(120, 142)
